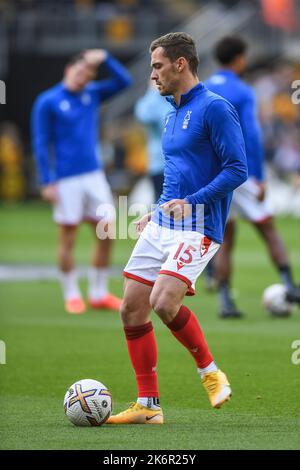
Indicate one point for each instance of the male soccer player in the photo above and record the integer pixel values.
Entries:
(249, 199)
(65, 127)
(151, 110)
(204, 162)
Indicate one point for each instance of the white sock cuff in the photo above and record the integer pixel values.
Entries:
(98, 282)
(69, 283)
(212, 367)
(149, 402)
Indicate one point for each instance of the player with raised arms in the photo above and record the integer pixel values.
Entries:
(65, 127)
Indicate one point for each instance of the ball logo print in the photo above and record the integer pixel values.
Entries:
(81, 397)
(88, 403)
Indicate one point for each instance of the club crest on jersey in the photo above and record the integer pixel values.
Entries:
(64, 105)
(204, 247)
(86, 99)
(186, 120)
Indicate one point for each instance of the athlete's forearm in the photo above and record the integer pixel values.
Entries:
(227, 140)
(40, 144)
(253, 138)
(254, 152)
(41, 131)
(118, 71)
(226, 182)
(44, 174)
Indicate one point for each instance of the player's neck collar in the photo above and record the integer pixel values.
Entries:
(68, 90)
(185, 97)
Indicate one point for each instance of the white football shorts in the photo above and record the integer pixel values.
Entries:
(160, 250)
(246, 204)
(82, 197)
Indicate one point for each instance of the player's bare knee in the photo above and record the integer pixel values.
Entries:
(267, 229)
(126, 310)
(164, 307)
(131, 314)
(66, 245)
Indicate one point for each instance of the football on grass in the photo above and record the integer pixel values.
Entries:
(274, 301)
(88, 403)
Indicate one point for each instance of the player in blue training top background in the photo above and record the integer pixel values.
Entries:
(150, 110)
(65, 129)
(205, 161)
(249, 199)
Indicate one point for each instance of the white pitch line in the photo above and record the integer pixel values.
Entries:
(27, 272)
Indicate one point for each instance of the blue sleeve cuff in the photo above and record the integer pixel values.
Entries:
(193, 199)
(47, 179)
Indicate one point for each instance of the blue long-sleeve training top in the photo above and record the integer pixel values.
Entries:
(65, 125)
(228, 85)
(205, 158)
(151, 110)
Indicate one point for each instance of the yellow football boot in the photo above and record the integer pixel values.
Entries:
(217, 387)
(137, 414)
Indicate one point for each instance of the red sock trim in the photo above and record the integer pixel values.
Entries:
(180, 320)
(135, 332)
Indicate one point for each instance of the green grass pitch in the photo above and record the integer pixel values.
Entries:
(47, 350)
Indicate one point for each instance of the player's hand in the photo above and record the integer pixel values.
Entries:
(49, 193)
(261, 191)
(142, 222)
(95, 57)
(177, 208)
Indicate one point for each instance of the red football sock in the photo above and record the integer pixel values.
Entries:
(185, 327)
(142, 350)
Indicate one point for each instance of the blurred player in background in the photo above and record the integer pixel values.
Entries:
(151, 110)
(249, 199)
(205, 161)
(65, 127)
